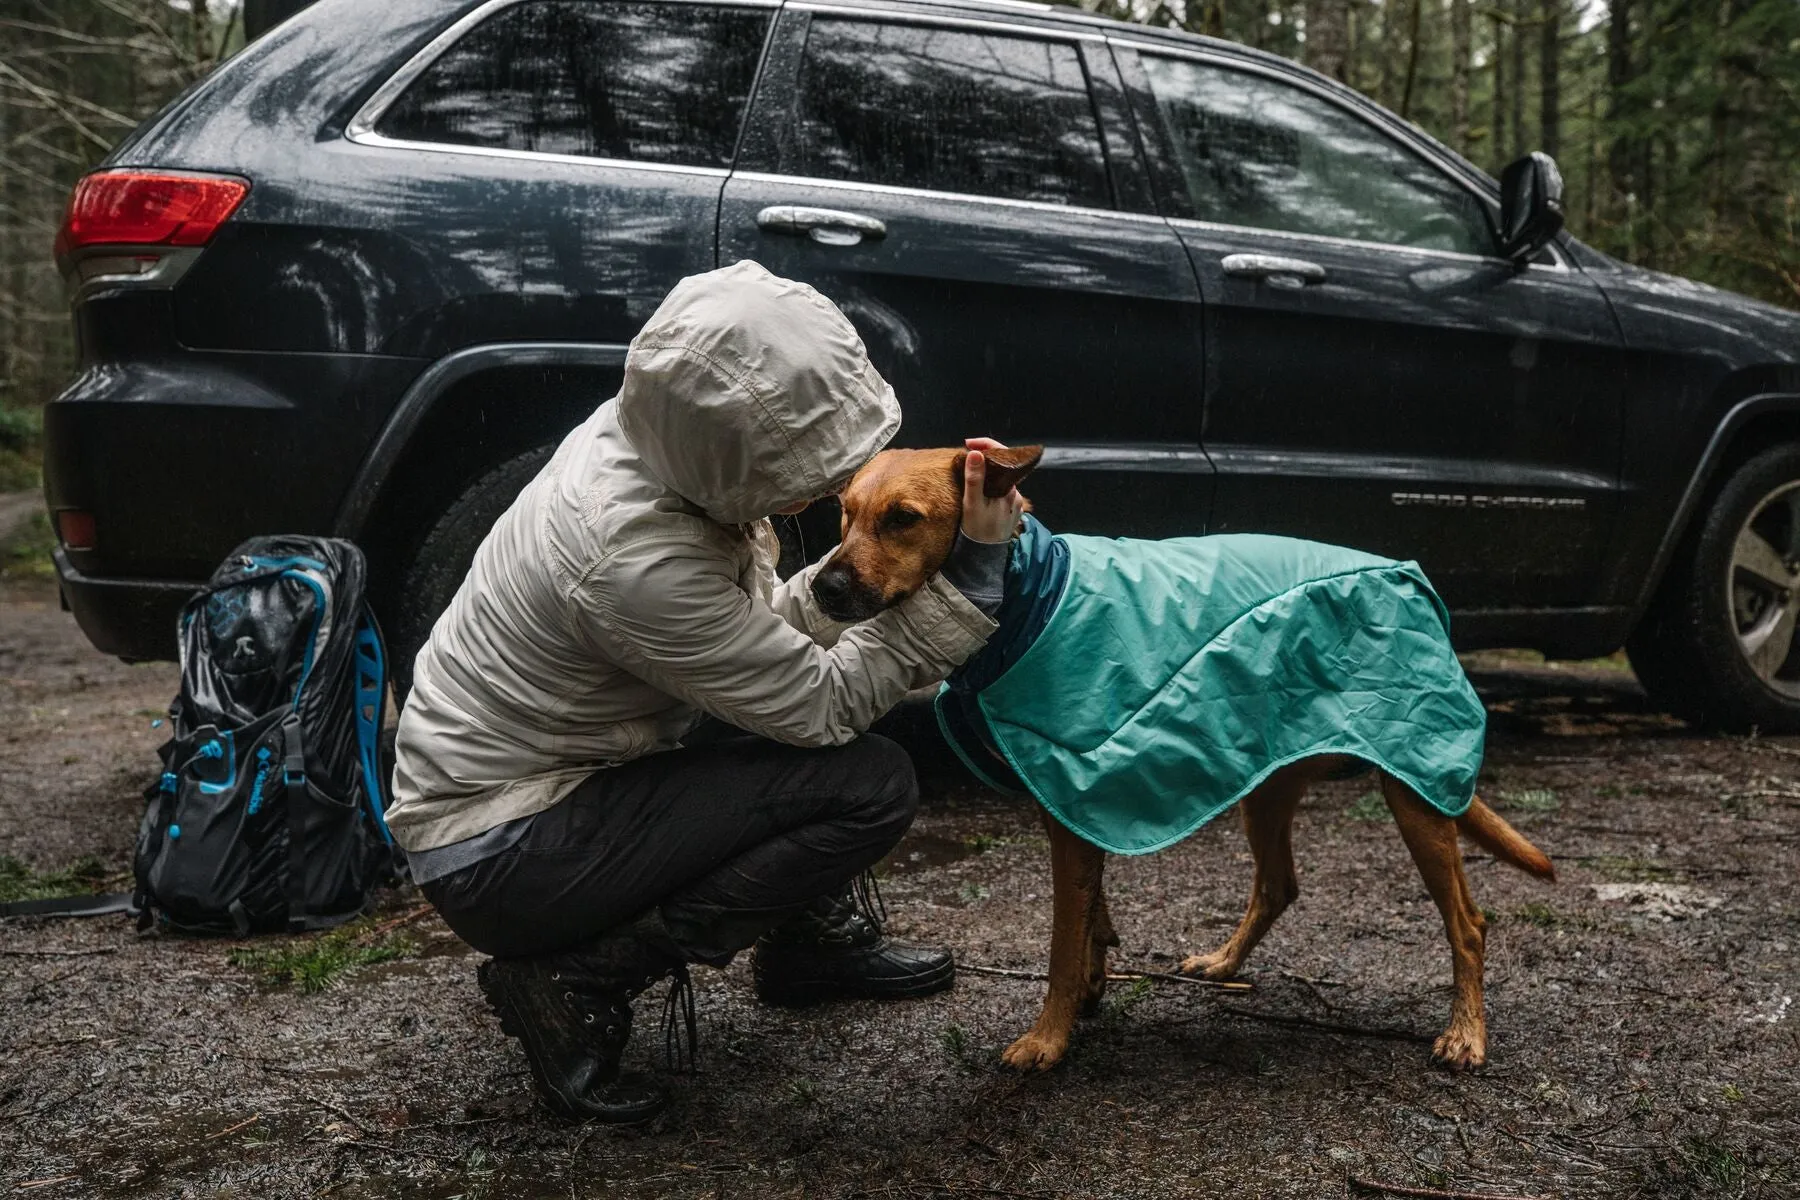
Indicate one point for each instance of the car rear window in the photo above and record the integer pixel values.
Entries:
(950, 110)
(659, 83)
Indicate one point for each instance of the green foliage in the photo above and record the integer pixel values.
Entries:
(1531, 800)
(972, 893)
(1624, 869)
(313, 963)
(1370, 807)
(20, 430)
(20, 882)
(26, 553)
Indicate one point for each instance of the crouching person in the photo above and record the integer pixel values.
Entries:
(549, 807)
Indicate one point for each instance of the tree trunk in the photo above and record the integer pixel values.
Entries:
(1412, 60)
(1460, 48)
(1497, 144)
(1621, 153)
(1212, 18)
(1519, 11)
(1327, 36)
(1550, 80)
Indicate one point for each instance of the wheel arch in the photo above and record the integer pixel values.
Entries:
(462, 416)
(1749, 427)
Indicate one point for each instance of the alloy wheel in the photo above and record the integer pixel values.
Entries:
(1762, 589)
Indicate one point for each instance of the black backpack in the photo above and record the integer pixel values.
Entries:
(268, 815)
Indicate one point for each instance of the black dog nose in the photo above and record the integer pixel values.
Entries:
(831, 586)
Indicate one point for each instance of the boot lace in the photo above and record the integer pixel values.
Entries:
(865, 898)
(680, 1001)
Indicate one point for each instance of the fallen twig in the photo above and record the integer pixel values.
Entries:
(1234, 985)
(341, 1111)
(251, 1120)
(1391, 1035)
(37, 1183)
(397, 922)
(1398, 1189)
(56, 954)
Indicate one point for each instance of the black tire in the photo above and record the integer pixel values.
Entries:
(444, 556)
(1686, 650)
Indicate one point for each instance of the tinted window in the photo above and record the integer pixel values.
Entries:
(664, 83)
(951, 110)
(1255, 151)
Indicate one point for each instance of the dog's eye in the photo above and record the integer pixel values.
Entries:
(901, 518)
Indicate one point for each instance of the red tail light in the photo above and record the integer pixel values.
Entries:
(143, 208)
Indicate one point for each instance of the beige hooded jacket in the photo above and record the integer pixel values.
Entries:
(631, 586)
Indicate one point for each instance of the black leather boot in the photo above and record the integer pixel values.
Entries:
(832, 951)
(571, 1013)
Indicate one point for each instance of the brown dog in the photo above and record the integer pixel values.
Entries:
(900, 517)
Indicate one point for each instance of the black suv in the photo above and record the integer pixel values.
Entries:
(362, 277)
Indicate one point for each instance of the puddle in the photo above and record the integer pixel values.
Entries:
(922, 852)
(149, 1158)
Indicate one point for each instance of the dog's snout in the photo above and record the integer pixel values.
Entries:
(832, 586)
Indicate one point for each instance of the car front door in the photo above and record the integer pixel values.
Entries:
(970, 193)
(1376, 375)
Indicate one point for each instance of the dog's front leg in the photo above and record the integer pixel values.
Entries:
(1075, 876)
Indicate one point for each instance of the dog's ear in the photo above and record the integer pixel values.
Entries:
(1006, 468)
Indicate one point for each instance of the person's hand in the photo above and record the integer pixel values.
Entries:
(984, 519)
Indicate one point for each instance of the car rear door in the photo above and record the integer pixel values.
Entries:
(971, 194)
(1376, 375)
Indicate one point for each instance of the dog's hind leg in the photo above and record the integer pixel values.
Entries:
(1431, 837)
(1268, 825)
(1075, 868)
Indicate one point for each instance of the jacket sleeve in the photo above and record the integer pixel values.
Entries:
(672, 613)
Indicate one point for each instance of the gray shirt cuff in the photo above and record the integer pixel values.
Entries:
(978, 571)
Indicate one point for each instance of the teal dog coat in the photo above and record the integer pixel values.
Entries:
(1139, 688)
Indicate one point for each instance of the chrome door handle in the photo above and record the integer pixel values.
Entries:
(830, 226)
(1274, 269)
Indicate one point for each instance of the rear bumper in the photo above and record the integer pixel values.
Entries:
(132, 618)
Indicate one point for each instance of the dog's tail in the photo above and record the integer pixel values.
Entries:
(1487, 830)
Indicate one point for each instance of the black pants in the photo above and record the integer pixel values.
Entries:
(727, 838)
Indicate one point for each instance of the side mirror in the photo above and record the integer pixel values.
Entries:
(1531, 206)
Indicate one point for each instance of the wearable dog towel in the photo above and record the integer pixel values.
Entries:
(1139, 688)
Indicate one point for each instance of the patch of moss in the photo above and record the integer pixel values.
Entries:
(1369, 807)
(314, 963)
(20, 882)
(1625, 869)
(1531, 800)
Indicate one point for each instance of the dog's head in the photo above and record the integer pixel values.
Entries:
(901, 514)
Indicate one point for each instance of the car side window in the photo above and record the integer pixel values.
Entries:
(949, 110)
(647, 82)
(1258, 152)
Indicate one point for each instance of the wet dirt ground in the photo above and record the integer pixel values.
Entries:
(1643, 1035)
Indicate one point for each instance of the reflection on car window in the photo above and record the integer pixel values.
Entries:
(661, 83)
(951, 110)
(1255, 151)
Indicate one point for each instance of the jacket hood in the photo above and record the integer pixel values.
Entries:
(746, 393)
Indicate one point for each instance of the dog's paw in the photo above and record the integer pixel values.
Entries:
(1216, 966)
(1460, 1049)
(1035, 1052)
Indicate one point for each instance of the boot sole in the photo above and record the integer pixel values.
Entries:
(803, 993)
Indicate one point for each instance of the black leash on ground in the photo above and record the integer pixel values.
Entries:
(72, 906)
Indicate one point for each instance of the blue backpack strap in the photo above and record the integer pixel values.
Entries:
(371, 706)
